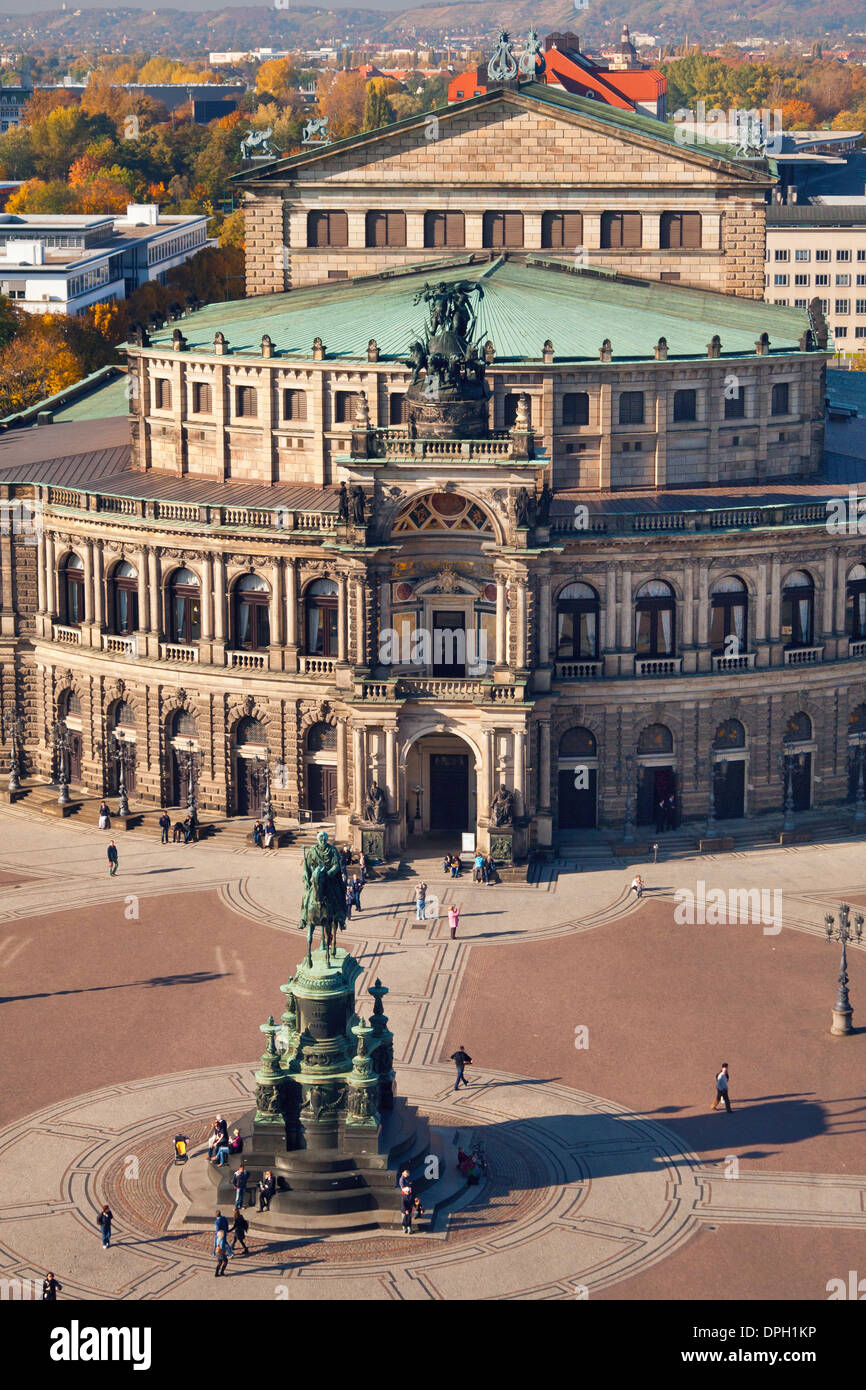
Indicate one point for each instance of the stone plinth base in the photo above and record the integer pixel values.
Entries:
(713, 843)
(842, 1024)
(635, 851)
(795, 837)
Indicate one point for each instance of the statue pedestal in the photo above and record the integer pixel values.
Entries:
(373, 840)
(502, 844)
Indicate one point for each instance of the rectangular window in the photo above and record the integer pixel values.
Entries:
(631, 408)
(840, 332)
(682, 231)
(779, 404)
(246, 404)
(502, 229)
(395, 407)
(294, 405)
(802, 255)
(561, 231)
(621, 230)
(860, 331)
(822, 279)
(575, 408)
(202, 398)
(843, 255)
(345, 403)
(802, 279)
(781, 256)
(685, 405)
(444, 229)
(860, 306)
(327, 229)
(162, 393)
(822, 255)
(780, 279)
(861, 255)
(861, 279)
(800, 303)
(843, 281)
(386, 229)
(843, 306)
(735, 406)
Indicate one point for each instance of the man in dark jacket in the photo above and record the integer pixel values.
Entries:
(239, 1229)
(267, 1188)
(461, 1059)
(165, 826)
(112, 858)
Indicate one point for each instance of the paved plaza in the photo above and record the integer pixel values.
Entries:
(596, 1024)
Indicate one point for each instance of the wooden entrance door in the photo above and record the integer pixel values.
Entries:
(449, 791)
(321, 791)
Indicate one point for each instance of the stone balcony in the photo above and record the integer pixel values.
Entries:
(803, 656)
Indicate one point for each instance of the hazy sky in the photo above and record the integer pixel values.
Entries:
(16, 7)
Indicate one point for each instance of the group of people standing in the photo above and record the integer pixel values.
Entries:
(666, 813)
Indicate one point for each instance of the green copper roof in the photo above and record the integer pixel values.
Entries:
(525, 301)
(598, 112)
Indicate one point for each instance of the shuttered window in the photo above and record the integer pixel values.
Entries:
(345, 403)
(444, 229)
(246, 403)
(561, 231)
(621, 230)
(680, 231)
(386, 229)
(202, 398)
(162, 393)
(327, 229)
(294, 405)
(503, 229)
(575, 408)
(631, 408)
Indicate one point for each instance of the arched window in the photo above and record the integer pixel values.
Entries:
(578, 743)
(321, 618)
(730, 734)
(655, 738)
(184, 607)
(321, 738)
(655, 627)
(798, 729)
(250, 731)
(577, 611)
(252, 627)
(798, 610)
(729, 607)
(124, 599)
(183, 725)
(72, 591)
(855, 604)
(69, 703)
(124, 715)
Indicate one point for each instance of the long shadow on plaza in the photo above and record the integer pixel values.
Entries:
(189, 977)
(612, 1145)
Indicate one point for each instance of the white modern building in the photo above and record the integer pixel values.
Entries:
(819, 251)
(66, 263)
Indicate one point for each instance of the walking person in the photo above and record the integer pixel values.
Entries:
(722, 1089)
(461, 1059)
(421, 902)
(112, 858)
(453, 920)
(637, 886)
(239, 1183)
(223, 1253)
(239, 1228)
(406, 1202)
(164, 826)
(220, 1228)
(103, 1221)
(362, 866)
(50, 1288)
(357, 885)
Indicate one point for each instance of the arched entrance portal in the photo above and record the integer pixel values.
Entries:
(441, 787)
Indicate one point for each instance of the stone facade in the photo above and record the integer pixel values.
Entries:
(509, 152)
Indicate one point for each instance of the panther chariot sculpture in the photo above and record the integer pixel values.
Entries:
(448, 394)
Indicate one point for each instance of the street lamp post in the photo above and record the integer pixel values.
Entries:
(123, 753)
(711, 807)
(186, 759)
(13, 728)
(59, 735)
(843, 931)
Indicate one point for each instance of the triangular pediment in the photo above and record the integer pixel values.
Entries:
(528, 135)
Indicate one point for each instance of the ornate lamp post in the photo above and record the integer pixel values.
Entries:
(124, 755)
(711, 806)
(59, 736)
(786, 765)
(628, 831)
(186, 758)
(13, 728)
(267, 805)
(843, 932)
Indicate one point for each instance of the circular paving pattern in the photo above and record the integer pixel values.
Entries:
(580, 1192)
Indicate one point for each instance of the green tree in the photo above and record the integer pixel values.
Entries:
(378, 110)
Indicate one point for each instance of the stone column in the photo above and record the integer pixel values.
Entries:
(829, 576)
(342, 619)
(358, 764)
(98, 591)
(521, 624)
(290, 577)
(544, 622)
(761, 603)
(688, 603)
(342, 770)
(841, 594)
(519, 766)
(40, 571)
(485, 785)
(391, 764)
(501, 657)
(361, 621)
(88, 581)
(143, 592)
(50, 577)
(626, 639)
(219, 599)
(276, 613)
(703, 604)
(155, 606)
(207, 597)
(775, 601)
(608, 609)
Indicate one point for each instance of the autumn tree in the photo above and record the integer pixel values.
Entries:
(276, 77)
(798, 115)
(341, 97)
(378, 110)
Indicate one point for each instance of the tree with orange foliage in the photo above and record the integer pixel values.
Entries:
(341, 98)
(276, 77)
(38, 196)
(798, 115)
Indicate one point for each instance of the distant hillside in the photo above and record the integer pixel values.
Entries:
(187, 31)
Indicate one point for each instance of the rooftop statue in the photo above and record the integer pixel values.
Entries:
(260, 141)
